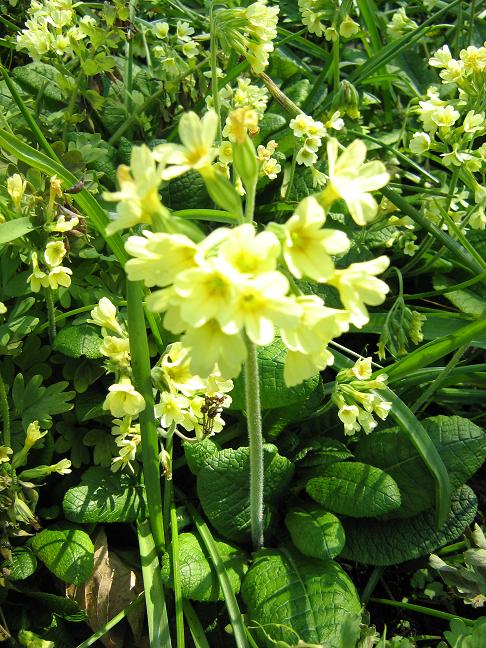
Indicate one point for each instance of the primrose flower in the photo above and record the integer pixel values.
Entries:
(249, 252)
(358, 285)
(210, 346)
(420, 143)
(116, 349)
(16, 189)
(301, 366)
(259, 305)
(123, 399)
(176, 370)
(38, 279)
(173, 409)
(351, 179)
(62, 467)
(441, 57)
(348, 27)
(138, 197)
(5, 453)
(239, 122)
(197, 149)
(59, 276)
(104, 315)
(159, 257)
(307, 247)
(54, 253)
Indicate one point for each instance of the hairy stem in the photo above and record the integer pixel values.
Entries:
(213, 45)
(255, 439)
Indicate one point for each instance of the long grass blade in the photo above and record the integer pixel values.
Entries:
(111, 623)
(195, 628)
(158, 622)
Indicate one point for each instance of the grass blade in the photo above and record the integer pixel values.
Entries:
(154, 590)
(230, 599)
(195, 628)
(111, 623)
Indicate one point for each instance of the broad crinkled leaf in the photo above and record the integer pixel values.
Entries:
(66, 551)
(197, 453)
(315, 532)
(102, 496)
(40, 79)
(199, 580)
(80, 340)
(273, 390)
(188, 191)
(460, 443)
(377, 542)
(355, 489)
(294, 598)
(223, 487)
(22, 565)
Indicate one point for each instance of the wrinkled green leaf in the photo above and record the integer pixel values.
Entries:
(78, 340)
(315, 532)
(355, 489)
(223, 487)
(66, 551)
(102, 496)
(199, 580)
(376, 542)
(294, 598)
(460, 443)
(22, 565)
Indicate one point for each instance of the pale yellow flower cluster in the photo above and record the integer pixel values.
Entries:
(188, 401)
(234, 283)
(250, 31)
(316, 13)
(311, 132)
(55, 274)
(355, 400)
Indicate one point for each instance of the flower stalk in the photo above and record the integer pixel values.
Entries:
(255, 439)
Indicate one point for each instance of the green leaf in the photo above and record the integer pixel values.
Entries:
(315, 532)
(460, 443)
(467, 301)
(38, 403)
(273, 390)
(102, 496)
(223, 487)
(199, 580)
(354, 488)
(39, 78)
(376, 542)
(269, 124)
(63, 606)
(462, 636)
(78, 340)
(188, 191)
(298, 598)
(197, 453)
(66, 551)
(22, 565)
(14, 229)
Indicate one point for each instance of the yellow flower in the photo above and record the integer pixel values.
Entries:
(177, 370)
(358, 286)
(260, 304)
(54, 253)
(38, 279)
(209, 346)
(116, 349)
(138, 196)
(159, 257)
(104, 315)
(249, 252)
(362, 369)
(59, 276)
(318, 325)
(16, 188)
(207, 292)
(173, 409)
(351, 179)
(239, 122)
(307, 246)
(197, 149)
(300, 366)
(123, 399)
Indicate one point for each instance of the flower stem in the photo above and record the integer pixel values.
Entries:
(213, 46)
(143, 383)
(254, 424)
(250, 201)
(51, 315)
(5, 412)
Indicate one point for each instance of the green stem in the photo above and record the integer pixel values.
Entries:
(422, 609)
(373, 580)
(143, 383)
(288, 189)
(213, 49)
(51, 315)
(335, 65)
(5, 412)
(112, 622)
(255, 440)
(250, 201)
